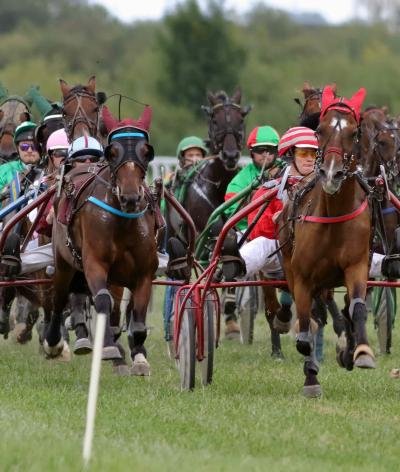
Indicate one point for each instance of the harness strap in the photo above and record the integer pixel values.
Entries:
(335, 219)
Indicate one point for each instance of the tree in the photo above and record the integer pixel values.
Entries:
(198, 52)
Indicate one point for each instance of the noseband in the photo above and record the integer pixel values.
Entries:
(80, 115)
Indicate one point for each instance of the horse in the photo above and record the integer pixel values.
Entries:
(13, 111)
(331, 247)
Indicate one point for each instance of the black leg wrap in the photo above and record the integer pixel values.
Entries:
(136, 338)
(103, 302)
(4, 322)
(304, 343)
(359, 313)
(285, 313)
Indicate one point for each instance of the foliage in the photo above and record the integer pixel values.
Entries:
(172, 62)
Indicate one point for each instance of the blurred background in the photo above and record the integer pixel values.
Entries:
(169, 53)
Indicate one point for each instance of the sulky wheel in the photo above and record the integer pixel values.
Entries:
(187, 349)
(207, 364)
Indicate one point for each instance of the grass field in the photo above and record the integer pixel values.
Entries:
(252, 418)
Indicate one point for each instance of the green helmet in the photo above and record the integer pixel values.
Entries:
(25, 132)
(263, 136)
(188, 143)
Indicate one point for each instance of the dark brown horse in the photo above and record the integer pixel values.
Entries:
(327, 253)
(311, 107)
(206, 187)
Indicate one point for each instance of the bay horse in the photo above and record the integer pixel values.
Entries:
(330, 238)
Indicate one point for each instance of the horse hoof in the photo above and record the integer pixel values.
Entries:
(59, 352)
(121, 370)
(364, 361)
(232, 330)
(110, 352)
(364, 357)
(21, 333)
(312, 391)
(82, 346)
(140, 366)
(282, 327)
(277, 355)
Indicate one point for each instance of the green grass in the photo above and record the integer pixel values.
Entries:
(253, 417)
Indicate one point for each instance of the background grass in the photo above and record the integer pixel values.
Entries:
(253, 417)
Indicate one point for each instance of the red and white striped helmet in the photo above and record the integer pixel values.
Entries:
(299, 136)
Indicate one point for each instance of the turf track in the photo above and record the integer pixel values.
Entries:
(253, 417)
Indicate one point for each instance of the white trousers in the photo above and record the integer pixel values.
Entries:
(42, 256)
(255, 254)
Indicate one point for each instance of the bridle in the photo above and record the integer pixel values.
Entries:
(80, 115)
(316, 95)
(346, 158)
(217, 136)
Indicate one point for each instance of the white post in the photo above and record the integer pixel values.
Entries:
(94, 386)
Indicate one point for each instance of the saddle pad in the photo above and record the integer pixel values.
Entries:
(68, 201)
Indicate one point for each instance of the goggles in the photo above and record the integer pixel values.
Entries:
(262, 149)
(26, 146)
(59, 153)
(305, 152)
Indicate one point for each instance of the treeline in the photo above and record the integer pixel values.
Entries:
(172, 62)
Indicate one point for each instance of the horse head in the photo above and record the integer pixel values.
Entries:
(311, 109)
(380, 143)
(13, 111)
(80, 109)
(338, 135)
(226, 129)
(128, 156)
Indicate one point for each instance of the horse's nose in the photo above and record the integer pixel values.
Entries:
(129, 202)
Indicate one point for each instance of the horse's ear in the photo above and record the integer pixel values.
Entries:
(101, 98)
(327, 98)
(357, 100)
(206, 109)
(306, 86)
(298, 101)
(211, 99)
(92, 84)
(245, 110)
(385, 110)
(237, 96)
(334, 87)
(65, 88)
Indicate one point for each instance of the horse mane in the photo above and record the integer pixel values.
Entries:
(311, 121)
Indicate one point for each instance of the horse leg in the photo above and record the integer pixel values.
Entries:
(27, 315)
(120, 367)
(103, 301)
(363, 355)
(54, 344)
(137, 331)
(306, 329)
(345, 353)
(319, 314)
(271, 307)
(283, 317)
(7, 295)
(337, 317)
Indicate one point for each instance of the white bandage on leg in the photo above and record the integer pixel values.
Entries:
(37, 259)
(255, 255)
(376, 265)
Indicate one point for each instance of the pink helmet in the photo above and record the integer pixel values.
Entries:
(57, 140)
(299, 136)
